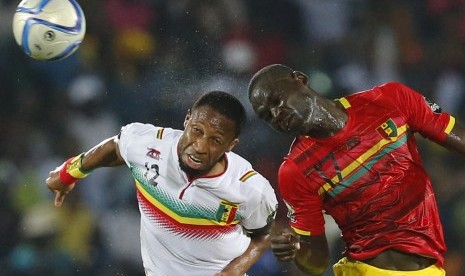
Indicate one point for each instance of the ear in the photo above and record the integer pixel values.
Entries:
(297, 75)
(232, 145)
(188, 116)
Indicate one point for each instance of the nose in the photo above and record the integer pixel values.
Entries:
(201, 145)
(274, 112)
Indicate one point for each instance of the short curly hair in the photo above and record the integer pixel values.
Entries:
(225, 104)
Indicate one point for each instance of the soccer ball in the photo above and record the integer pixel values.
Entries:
(49, 29)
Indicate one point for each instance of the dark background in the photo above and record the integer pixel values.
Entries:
(147, 60)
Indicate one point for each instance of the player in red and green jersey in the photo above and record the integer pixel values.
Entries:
(356, 159)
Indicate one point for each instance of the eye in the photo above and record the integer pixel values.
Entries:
(196, 129)
(217, 141)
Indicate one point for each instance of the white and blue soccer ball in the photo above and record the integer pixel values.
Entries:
(49, 29)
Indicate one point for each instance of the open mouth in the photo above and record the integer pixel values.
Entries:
(285, 123)
(193, 162)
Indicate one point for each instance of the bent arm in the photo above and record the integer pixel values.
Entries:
(313, 255)
(105, 154)
(455, 141)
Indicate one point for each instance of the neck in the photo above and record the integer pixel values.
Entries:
(328, 117)
(219, 167)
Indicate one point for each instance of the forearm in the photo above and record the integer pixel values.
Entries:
(105, 154)
(257, 247)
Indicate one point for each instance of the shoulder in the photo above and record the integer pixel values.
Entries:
(289, 174)
(252, 184)
(241, 169)
(394, 88)
(384, 94)
(141, 129)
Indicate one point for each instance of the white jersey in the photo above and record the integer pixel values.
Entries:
(191, 226)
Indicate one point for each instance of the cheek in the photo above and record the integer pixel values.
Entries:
(184, 142)
(216, 152)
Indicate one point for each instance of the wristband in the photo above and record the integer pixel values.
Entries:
(71, 170)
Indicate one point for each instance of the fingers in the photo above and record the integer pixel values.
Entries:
(59, 198)
(285, 246)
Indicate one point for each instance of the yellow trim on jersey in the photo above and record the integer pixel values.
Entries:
(173, 215)
(450, 125)
(160, 133)
(302, 232)
(360, 160)
(247, 175)
(345, 103)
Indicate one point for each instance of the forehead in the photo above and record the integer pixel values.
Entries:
(207, 116)
(269, 89)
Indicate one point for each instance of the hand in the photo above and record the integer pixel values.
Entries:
(285, 245)
(54, 184)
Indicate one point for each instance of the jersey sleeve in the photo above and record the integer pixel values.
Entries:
(305, 207)
(128, 135)
(262, 206)
(423, 116)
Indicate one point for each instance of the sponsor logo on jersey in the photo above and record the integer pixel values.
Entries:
(226, 211)
(388, 130)
(434, 106)
(153, 153)
(290, 212)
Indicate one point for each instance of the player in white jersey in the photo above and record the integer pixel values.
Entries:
(204, 210)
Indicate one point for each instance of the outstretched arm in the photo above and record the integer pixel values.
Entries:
(105, 154)
(456, 139)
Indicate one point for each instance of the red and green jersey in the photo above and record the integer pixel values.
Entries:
(369, 177)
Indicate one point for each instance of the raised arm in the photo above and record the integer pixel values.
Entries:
(62, 179)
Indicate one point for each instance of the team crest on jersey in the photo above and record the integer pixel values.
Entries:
(153, 153)
(434, 106)
(290, 212)
(388, 130)
(226, 211)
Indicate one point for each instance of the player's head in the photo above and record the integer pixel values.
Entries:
(281, 97)
(211, 128)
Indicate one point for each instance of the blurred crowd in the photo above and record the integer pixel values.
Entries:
(147, 60)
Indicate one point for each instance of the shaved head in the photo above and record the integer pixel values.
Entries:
(268, 75)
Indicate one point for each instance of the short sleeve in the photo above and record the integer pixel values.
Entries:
(128, 135)
(262, 207)
(423, 115)
(305, 207)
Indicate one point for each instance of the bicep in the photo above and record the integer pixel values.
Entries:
(105, 154)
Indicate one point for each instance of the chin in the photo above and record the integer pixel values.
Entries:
(188, 170)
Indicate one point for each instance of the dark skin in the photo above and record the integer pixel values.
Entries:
(290, 106)
(208, 135)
